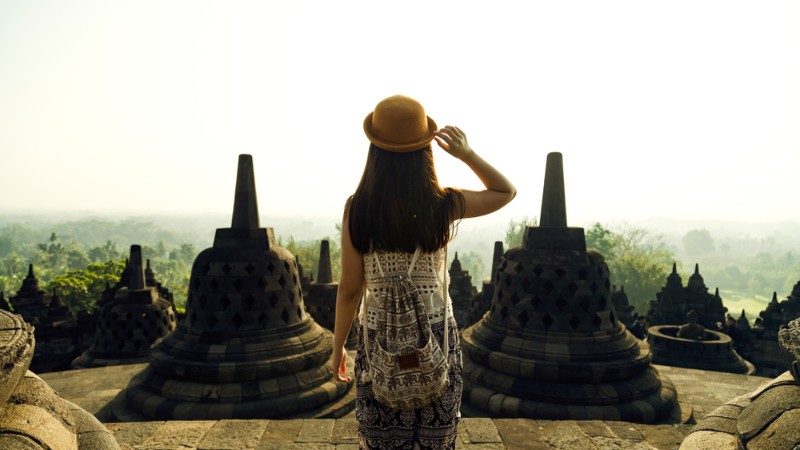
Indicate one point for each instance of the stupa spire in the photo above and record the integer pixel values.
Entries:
(324, 273)
(137, 280)
(245, 205)
(498, 253)
(554, 206)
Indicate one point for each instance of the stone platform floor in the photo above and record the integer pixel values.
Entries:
(699, 391)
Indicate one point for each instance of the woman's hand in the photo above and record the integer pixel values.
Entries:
(340, 364)
(452, 140)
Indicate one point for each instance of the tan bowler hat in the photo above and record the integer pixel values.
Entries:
(399, 124)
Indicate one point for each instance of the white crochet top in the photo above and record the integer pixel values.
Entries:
(428, 275)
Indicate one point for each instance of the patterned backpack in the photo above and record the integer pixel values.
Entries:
(408, 368)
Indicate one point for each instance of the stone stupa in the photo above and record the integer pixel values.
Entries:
(625, 311)
(321, 298)
(675, 300)
(551, 346)
(460, 289)
(246, 348)
(481, 301)
(56, 328)
(32, 415)
(128, 325)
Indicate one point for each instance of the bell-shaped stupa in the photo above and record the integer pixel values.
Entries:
(461, 290)
(481, 301)
(320, 299)
(246, 348)
(129, 324)
(551, 346)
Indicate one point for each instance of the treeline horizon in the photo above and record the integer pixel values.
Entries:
(73, 255)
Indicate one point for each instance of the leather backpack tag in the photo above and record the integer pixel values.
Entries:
(408, 360)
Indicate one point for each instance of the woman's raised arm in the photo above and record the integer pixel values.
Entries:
(499, 191)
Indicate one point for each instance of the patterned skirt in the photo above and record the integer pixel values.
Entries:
(433, 426)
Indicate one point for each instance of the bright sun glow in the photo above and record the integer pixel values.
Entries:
(678, 109)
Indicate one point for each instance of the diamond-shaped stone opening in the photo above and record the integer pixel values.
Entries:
(273, 299)
(226, 269)
(571, 289)
(596, 320)
(263, 319)
(594, 287)
(225, 302)
(560, 272)
(548, 286)
(249, 301)
(238, 284)
(211, 319)
(599, 271)
(602, 302)
(262, 283)
(584, 304)
(538, 270)
(502, 265)
(286, 265)
(614, 319)
(285, 316)
(526, 284)
(236, 320)
(607, 283)
(507, 280)
(583, 273)
(561, 303)
(206, 268)
(282, 281)
(500, 295)
(271, 267)
(214, 284)
(547, 321)
(514, 299)
(518, 267)
(249, 268)
(503, 312)
(299, 311)
(574, 322)
(536, 302)
(523, 318)
(203, 301)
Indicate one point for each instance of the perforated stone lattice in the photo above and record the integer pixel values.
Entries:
(128, 330)
(568, 296)
(224, 293)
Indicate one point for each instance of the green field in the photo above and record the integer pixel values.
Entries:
(738, 301)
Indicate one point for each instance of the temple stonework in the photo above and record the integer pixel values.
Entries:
(129, 324)
(675, 300)
(56, 329)
(247, 348)
(320, 299)
(551, 346)
(482, 300)
(766, 418)
(625, 311)
(460, 289)
(32, 415)
(762, 340)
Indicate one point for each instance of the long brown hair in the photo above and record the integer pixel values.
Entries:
(399, 204)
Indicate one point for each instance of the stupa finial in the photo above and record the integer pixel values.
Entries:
(245, 205)
(136, 281)
(554, 206)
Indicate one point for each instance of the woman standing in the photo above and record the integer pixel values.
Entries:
(399, 221)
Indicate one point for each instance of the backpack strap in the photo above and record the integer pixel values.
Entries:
(446, 317)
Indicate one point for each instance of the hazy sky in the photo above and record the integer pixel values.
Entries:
(681, 109)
